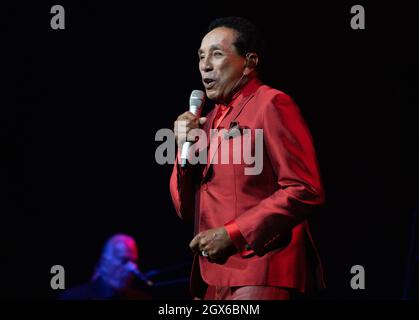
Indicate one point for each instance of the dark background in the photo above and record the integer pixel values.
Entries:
(80, 108)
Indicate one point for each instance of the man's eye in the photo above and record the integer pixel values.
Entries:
(218, 54)
(201, 57)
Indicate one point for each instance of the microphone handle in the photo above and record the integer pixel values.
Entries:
(184, 154)
(142, 277)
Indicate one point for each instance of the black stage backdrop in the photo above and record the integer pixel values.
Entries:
(80, 108)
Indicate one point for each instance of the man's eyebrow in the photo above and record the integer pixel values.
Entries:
(215, 47)
(212, 48)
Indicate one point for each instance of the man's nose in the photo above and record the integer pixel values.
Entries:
(206, 65)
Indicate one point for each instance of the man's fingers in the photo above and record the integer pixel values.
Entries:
(199, 243)
(194, 243)
(202, 120)
(186, 116)
(185, 123)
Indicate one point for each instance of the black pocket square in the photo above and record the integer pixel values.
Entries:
(234, 130)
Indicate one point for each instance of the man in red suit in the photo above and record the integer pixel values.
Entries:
(252, 239)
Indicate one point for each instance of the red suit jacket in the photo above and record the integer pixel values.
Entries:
(270, 208)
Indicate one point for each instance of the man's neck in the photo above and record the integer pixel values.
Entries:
(235, 91)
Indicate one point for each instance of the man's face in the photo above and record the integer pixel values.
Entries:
(220, 65)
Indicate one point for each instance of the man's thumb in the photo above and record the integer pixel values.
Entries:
(202, 120)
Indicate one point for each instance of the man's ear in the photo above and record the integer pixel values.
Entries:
(252, 61)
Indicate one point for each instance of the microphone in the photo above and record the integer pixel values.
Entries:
(195, 106)
(139, 275)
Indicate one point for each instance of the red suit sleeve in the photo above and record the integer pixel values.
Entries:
(182, 190)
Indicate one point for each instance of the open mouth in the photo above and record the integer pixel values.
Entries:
(208, 83)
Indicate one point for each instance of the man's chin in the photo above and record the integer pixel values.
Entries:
(212, 95)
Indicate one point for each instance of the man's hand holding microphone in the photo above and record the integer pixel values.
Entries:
(186, 122)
